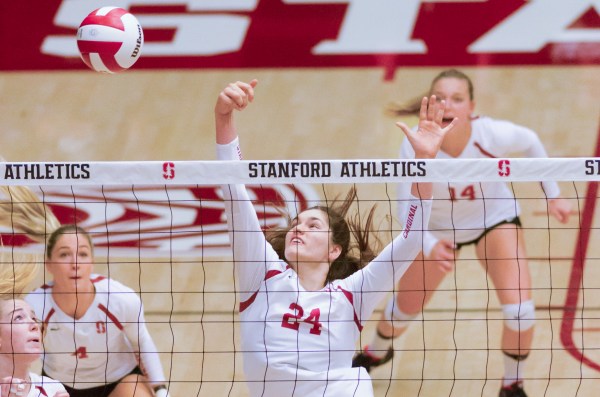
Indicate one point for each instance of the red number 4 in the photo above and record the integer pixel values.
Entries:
(81, 352)
(292, 320)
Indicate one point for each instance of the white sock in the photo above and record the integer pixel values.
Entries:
(513, 370)
(379, 345)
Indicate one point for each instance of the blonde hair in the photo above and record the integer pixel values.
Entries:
(17, 271)
(22, 210)
(25, 212)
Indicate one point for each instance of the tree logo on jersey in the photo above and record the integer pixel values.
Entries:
(161, 221)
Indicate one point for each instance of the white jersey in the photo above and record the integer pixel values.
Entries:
(462, 211)
(297, 342)
(43, 386)
(102, 346)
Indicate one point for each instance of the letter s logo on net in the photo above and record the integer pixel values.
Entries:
(168, 170)
(504, 167)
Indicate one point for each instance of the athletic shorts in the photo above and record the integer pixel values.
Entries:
(99, 391)
(515, 221)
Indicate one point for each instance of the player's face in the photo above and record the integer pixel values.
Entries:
(458, 102)
(71, 262)
(309, 239)
(20, 332)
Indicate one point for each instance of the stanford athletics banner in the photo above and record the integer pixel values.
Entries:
(315, 33)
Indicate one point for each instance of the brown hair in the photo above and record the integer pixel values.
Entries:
(66, 229)
(349, 234)
(413, 106)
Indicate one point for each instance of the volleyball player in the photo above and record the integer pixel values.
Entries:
(483, 214)
(303, 297)
(96, 341)
(20, 337)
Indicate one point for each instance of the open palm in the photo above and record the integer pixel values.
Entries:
(428, 137)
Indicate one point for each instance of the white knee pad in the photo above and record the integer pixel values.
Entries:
(394, 315)
(519, 316)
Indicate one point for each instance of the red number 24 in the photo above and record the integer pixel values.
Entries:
(292, 320)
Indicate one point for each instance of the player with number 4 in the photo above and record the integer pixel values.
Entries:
(95, 337)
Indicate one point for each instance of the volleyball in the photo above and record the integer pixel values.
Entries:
(110, 40)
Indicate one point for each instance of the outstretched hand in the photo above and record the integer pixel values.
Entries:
(236, 96)
(427, 139)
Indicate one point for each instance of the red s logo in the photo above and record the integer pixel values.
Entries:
(504, 167)
(168, 170)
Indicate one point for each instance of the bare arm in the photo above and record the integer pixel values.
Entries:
(393, 261)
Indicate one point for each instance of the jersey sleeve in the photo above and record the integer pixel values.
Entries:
(512, 138)
(403, 194)
(253, 256)
(135, 329)
(380, 276)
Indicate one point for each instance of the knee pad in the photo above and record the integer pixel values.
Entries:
(519, 316)
(394, 315)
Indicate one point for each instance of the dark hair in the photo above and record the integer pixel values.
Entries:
(349, 234)
(412, 107)
(66, 229)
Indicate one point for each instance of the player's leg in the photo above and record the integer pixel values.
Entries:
(132, 385)
(415, 289)
(502, 252)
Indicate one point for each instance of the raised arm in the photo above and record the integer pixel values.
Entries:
(386, 269)
(236, 96)
(253, 257)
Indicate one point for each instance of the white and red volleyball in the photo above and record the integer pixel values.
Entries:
(110, 40)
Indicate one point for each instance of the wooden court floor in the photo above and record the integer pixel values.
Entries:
(307, 114)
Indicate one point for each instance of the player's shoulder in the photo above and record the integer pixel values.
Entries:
(106, 284)
(39, 296)
(115, 295)
(488, 124)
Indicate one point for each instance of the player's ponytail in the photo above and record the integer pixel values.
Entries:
(22, 210)
(25, 213)
(17, 271)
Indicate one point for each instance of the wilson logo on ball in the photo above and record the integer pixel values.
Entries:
(110, 40)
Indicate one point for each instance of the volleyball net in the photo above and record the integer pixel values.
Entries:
(160, 228)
